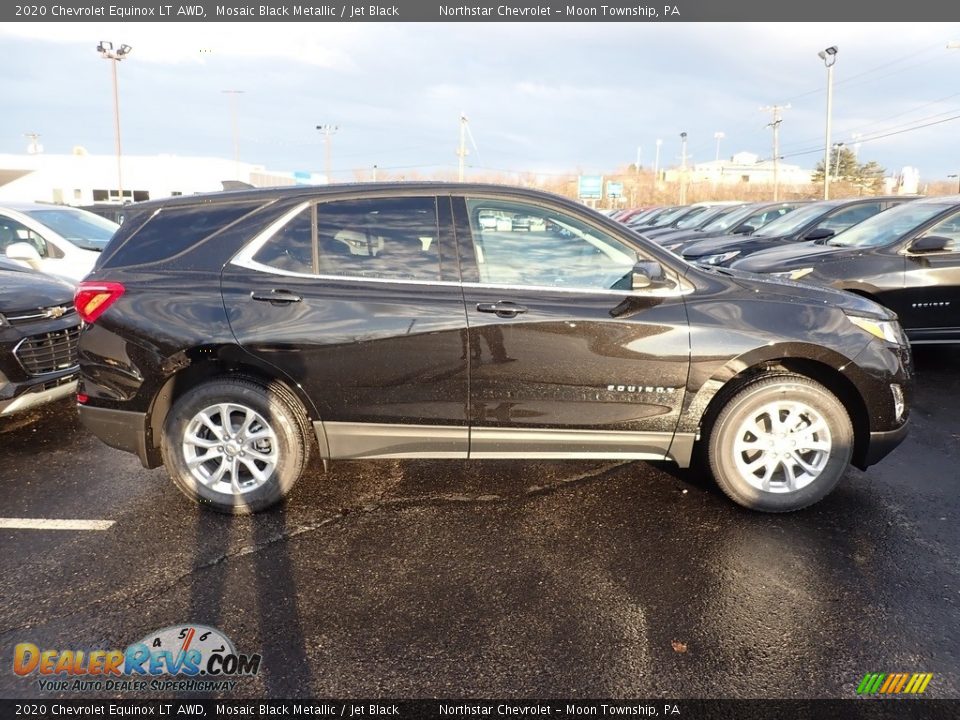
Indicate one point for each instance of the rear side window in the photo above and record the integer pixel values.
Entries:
(384, 238)
(173, 230)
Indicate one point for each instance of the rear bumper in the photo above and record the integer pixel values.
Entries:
(123, 430)
(882, 443)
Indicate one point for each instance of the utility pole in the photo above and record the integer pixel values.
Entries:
(637, 166)
(683, 168)
(328, 131)
(462, 149)
(232, 95)
(775, 124)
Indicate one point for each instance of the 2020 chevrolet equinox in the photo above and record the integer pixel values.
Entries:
(228, 336)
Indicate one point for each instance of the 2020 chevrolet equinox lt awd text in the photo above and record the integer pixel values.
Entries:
(227, 336)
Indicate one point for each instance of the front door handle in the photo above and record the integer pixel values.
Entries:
(504, 308)
(275, 296)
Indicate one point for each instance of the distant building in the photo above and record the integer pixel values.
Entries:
(907, 182)
(743, 168)
(84, 179)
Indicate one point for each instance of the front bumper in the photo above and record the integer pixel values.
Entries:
(882, 443)
(39, 394)
(123, 430)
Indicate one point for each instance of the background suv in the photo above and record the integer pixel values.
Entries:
(228, 335)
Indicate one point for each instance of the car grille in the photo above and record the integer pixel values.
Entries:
(49, 352)
(28, 316)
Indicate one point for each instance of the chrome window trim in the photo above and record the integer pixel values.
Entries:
(244, 258)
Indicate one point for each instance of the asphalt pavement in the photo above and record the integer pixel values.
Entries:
(500, 578)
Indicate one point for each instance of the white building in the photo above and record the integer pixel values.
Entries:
(744, 168)
(83, 179)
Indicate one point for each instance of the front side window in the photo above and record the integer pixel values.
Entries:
(528, 245)
(12, 232)
(382, 238)
(947, 228)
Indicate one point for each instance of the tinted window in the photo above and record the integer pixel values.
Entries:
(527, 245)
(389, 238)
(174, 229)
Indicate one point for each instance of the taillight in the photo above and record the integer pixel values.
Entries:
(93, 298)
(82, 398)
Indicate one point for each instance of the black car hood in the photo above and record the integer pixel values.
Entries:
(782, 288)
(726, 243)
(22, 289)
(791, 257)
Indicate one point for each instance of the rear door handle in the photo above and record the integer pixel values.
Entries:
(504, 308)
(275, 296)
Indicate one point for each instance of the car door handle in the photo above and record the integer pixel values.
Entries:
(504, 309)
(276, 297)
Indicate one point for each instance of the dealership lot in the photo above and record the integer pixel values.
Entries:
(537, 579)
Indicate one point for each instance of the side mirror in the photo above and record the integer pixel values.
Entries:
(744, 230)
(929, 244)
(24, 253)
(819, 234)
(648, 275)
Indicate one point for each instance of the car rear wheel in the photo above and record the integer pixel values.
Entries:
(235, 445)
(780, 444)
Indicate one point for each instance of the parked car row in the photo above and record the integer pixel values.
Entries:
(901, 251)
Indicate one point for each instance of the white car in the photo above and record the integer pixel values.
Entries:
(54, 239)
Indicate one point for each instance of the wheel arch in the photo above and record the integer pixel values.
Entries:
(817, 363)
(197, 365)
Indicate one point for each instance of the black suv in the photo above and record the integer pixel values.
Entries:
(226, 333)
(39, 330)
(907, 258)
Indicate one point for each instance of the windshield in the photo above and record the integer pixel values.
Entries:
(697, 219)
(889, 226)
(729, 220)
(668, 218)
(82, 228)
(793, 221)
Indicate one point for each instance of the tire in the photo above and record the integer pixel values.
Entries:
(269, 430)
(780, 444)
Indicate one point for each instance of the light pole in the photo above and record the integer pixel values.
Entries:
(328, 131)
(958, 181)
(683, 168)
(234, 128)
(829, 57)
(656, 162)
(107, 52)
(718, 136)
(837, 147)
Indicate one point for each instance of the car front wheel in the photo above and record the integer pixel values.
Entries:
(780, 444)
(235, 445)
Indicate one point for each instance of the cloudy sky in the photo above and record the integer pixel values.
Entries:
(542, 98)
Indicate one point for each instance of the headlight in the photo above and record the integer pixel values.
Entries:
(716, 259)
(888, 330)
(794, 274)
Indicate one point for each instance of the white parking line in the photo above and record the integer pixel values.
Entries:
(48, 524)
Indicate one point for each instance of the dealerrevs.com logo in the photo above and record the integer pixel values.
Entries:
(175, 659)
